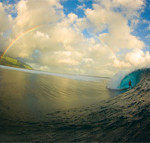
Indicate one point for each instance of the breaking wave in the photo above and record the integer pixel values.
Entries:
(120, 80)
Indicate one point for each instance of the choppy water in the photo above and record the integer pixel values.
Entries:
(42, 107)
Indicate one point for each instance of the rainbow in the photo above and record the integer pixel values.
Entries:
(17, 38)
(32, 29)
(112, 51)
(104, 44)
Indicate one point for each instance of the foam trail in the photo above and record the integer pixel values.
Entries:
(74, 77)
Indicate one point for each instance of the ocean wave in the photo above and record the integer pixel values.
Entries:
(120, 80)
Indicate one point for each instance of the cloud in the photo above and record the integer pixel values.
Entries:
(10, 9)
(81, 7)
(60, 45)
(149, 27)
(42, 35)
(32, 13)
(136, 4)
(146, 21)
(5, 26)
(106, 18)
(148, 37)
(5, 20)
(138, 58)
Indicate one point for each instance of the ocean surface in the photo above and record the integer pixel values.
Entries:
(42, 106)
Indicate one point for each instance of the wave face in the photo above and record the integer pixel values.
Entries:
(121, 80)
(134, 77)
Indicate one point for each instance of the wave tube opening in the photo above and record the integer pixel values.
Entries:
(121, 80)
(133, 76)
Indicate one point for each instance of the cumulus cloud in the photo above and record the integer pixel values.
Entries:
(31, 13)
(138, 57)
(148, 27)
(5, 26)
(148, 37)
(81, 7)
(42, 35)
(58, 44)
(106, 18)
(5, 20)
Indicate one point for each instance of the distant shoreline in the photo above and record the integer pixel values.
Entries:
(73, 77)
(12, 62)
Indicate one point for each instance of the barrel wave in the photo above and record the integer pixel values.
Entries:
(134, 76)
(121, 80)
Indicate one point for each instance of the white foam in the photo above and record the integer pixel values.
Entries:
(116, 80)
(74, 77)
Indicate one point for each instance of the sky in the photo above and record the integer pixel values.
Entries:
(85, 37)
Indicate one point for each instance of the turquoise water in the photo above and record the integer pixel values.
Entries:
(133, 76)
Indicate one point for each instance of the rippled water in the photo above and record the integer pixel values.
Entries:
(40, 107)
(32, 93)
